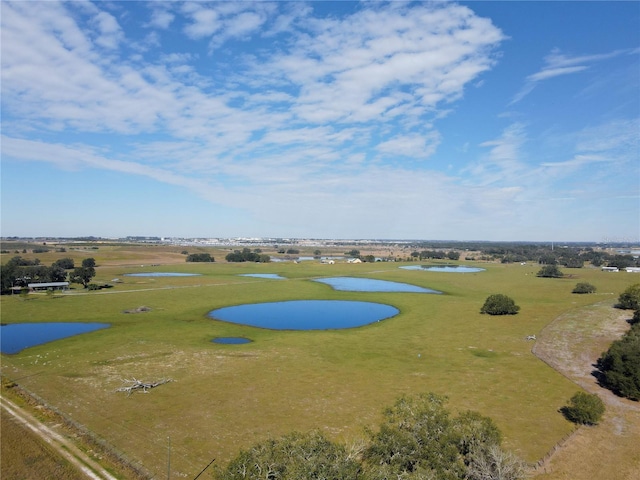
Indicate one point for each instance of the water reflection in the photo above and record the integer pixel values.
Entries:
(15, 337)
(306, 314)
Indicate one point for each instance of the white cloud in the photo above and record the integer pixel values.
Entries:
(412, 146)
(557, 64)
(110, 34)
(554, 72)
(160, 18)
(204, 21)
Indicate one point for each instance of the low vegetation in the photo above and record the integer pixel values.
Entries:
(584, 287)
(246, 255)
(200, 257)
(499, 304)
(584, 408)
(418, 439)
(620, 365)
(630, 298)
(550, 271)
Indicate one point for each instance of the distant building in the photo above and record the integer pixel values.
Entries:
(50, 285)
(633, 269)
(610, 269)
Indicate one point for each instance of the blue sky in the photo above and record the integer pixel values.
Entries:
(463, 121)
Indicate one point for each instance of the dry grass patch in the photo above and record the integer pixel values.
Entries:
(572, 344)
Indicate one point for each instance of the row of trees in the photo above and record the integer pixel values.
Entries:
(619, 366)
(436, 254)
(246, 255)
(417, 439)
(568, 256)
(19, 272)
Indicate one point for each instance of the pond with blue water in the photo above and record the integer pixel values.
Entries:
(306, 314)
(15, 337)
(354, 284)
(445, 268)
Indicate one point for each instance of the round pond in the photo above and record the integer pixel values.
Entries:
(15, 337)
(445, 268)
(354, 284)
(306, 314)
(161, 274)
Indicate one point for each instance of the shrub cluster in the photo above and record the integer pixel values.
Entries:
(584, 287)
(418, 439)
(620, 365)
(200, 257)
(584, 408)
(246, 255)
(550, 271)
(499, 304)
(630, 298)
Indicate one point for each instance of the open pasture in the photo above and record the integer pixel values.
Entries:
(225, 397)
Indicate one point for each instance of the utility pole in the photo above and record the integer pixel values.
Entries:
(169, 459)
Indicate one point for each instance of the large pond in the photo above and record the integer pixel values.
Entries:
(161, 274)
(15, 337)
(354, 284)
(306, 314)
(445, 268)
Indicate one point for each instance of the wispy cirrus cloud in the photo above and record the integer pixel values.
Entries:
(557, 64)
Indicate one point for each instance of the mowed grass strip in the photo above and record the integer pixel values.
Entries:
(225, 397)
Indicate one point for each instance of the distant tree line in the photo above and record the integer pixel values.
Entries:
(418, 439)
(436, 255)
(246, 255)
(570, 257)
(19, 272)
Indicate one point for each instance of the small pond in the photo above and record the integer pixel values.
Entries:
(15, 337)
(353, 284)
(445, 268)
(273, 276)
(161, 274)
(231, 340)
(306, 314)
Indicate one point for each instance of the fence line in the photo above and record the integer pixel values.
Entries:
(106, 448)
(541, 465)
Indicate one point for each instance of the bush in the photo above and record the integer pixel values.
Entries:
(550, 271)
(499, 304)
(584, 287)
(630, 298)
(296, 455)
(584, 408)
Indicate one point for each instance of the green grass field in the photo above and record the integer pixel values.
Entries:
(225, 397)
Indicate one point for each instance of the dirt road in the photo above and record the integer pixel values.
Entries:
(64, 447)
(572, 344)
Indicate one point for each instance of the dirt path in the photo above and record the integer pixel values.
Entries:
(64, 447)
(572, 344)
